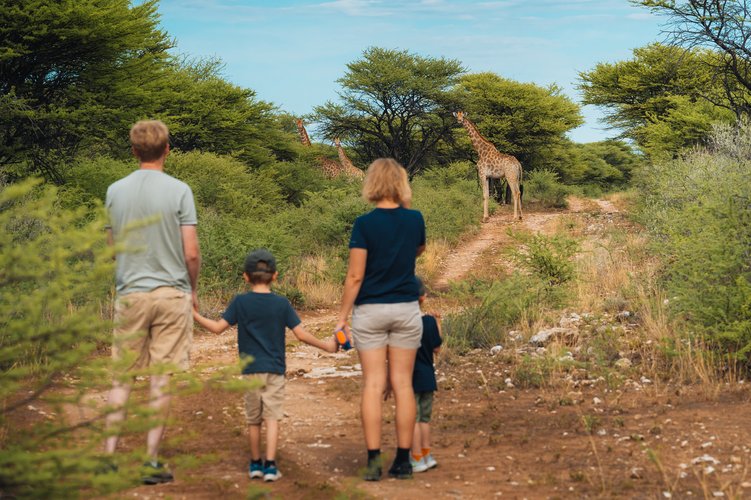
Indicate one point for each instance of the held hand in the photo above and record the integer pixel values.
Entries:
(332, 345)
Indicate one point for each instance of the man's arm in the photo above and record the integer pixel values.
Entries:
(192, 254)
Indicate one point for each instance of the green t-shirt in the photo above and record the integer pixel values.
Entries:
(146, 210)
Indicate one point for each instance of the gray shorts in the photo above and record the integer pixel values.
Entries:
(381, 325)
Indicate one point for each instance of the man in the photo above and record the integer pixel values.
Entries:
(153, 221)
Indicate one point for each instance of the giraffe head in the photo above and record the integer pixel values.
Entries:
(459, 116)
(337, 142)
(298, 121)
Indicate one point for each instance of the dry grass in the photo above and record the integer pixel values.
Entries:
(430, 263)
(315, 276)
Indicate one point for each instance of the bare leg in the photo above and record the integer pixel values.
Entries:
(118, 397)
(373, 363)
(417, 441)
(159, 402)
(401, 364)
(254, 432)
(272, 438)
(424, 434)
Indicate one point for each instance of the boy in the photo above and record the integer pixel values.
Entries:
(424, 384)
(261, 318)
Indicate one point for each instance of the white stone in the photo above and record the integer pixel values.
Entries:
(623, 363)
(544, 336)
(596, 401)
(496, 349)
(705, 459)
(490, 469)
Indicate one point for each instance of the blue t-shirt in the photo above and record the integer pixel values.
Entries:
(262, 320)
(423, 378)
(391, 237)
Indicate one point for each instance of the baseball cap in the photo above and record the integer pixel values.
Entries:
(260, 256)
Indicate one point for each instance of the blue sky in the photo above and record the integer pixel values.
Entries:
(291, 52)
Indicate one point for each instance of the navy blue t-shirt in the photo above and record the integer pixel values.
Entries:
(423, 378)
(262, 320)
(391, 237)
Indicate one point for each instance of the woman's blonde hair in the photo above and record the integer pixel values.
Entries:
(149, 138)
(387, 179)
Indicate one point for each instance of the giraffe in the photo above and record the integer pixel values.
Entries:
(349, 168)
(493, 164)
(331, 168)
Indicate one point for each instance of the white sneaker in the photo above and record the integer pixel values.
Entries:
(430, 462)
(418, 465)
(271, 473)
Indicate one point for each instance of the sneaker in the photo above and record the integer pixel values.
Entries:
(373, 470)
(271, 473)
(430, 462)
(255, 470)
(155, 473)
(401, 471)
(418, 465)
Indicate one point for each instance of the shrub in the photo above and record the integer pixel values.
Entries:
(699, 211)
(550, 258)
(544, 187)
(502, 304)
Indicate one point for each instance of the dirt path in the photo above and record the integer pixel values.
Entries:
(491, 441)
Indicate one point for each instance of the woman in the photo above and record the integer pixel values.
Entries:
(386, 321)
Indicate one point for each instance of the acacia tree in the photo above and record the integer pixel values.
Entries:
(665, 98)
(71, 69)
(725, 27)
(393, 103)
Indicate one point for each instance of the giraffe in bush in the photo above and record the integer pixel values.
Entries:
(331, 168)
(492, 164)
(349, 168)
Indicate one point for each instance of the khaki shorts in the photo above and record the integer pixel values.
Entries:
(265, 403)
(424, 401)
(381, 325)
(154, 327)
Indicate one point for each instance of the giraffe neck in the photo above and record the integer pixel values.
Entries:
(303, 134)
(343, 157)
(481, 145)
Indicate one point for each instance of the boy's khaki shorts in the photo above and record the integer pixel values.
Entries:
(424, 401)
(265, 403)
(380, 325)
(154, 327)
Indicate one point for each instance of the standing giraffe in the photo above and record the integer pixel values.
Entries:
(349, 168)
(331, 168)
(495, 165)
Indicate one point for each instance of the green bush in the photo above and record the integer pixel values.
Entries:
(550, 258)
(544, 187)
(502, 304)
(698, 209)
(450, 201)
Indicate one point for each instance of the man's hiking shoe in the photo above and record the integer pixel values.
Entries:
(373, 470)
(156, 473)
(429, 461)
(255, 470)
(271, 473)
(401, 471)
(418, 465)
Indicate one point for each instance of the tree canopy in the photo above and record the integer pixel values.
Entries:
(665, 98)
(521, 119)
(393, 103)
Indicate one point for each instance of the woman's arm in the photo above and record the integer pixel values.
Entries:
(352, 283)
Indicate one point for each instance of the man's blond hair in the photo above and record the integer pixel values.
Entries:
(386, 179)
(149, 139)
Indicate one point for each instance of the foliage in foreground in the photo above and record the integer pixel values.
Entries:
(55, 277)
(699, 210)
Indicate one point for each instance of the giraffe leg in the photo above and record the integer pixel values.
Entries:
(485, 196)
(516, 195)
